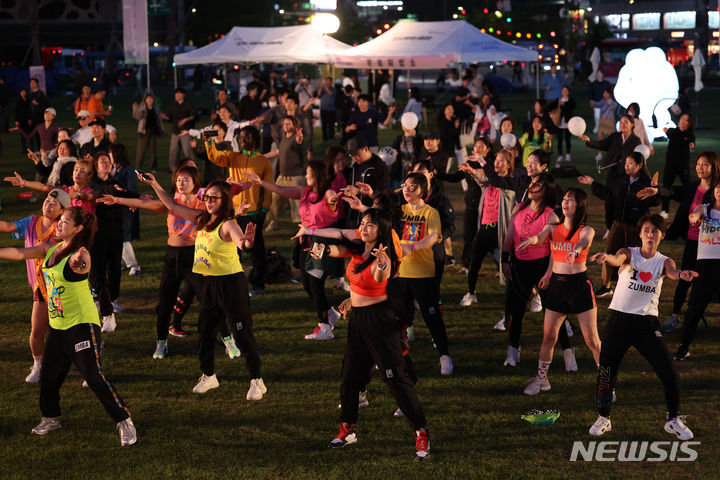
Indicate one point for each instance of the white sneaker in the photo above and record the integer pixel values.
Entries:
(601, 425)
(570, 362)
(230, 348)
(568, 328)
(128, 434)
(108, 323)
(500, 326)
(398, 413)
(463, 271)
(664, 214)
(537, 386)
(672, 324)
(34, 376)
(47, 424)
(513, 356)
(117, 307)
(257, 389)
(535, 304)
(567, 157)
(410, 332)
(560, 159)
(599, 156)
(446, 365)
(614, 396)
(161, 350)
(323, 331)
(677, 427)
(342, 284)
(206, 383)
(468, 299)
(134, 270)
(333, 317)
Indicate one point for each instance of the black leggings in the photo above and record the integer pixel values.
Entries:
(226, 294)
(486, 242)
(177, 267)
(689, 260)
(106, 255)
(525, 275)
(80, 346)
(315, 288)
(402, 291)
(469, 232)
(373, 338)
(563, 134)
(704, 288)
(622, 331)
(670, 172)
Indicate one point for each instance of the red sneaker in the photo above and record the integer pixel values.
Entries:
(177, 331)
(422, 444)
(346, 436)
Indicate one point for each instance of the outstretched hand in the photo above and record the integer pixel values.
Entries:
(380, 254)
(599, 258)
(647, 192)
(302, 230)
(249, 233)
(688, 275)
(107, 200)
(16, 180)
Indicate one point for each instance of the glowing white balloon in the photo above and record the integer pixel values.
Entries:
(644, 150)
(508, 140)
(650, 80)
(325, 23)
(409, 120)
(577, 126)
(388, 155)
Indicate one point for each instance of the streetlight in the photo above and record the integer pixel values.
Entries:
(325, 23)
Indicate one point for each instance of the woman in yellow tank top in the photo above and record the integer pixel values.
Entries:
(74, 331)
(219, 279)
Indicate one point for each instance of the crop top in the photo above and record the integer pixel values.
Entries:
(363, 283)
(559, 246)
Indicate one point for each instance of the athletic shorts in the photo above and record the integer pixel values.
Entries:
(569, 293)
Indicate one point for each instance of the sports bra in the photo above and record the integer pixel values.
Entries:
(559, 246)
(363, 282)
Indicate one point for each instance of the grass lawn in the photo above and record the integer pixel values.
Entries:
(474, 416)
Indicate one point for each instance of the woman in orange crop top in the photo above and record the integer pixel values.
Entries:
(374, 335)
(565, 287)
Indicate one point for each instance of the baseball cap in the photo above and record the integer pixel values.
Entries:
(83, 114)
(356, 144)
(431, 135)
(51, 110)
(98, 121)
(61, 196)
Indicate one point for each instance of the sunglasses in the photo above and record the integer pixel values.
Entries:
(210, 198)
(410, 186)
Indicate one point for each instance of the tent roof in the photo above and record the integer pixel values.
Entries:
(294, 44)
(421, 45)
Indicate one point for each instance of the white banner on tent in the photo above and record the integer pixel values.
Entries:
(135, 32)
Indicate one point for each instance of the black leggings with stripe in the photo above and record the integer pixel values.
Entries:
(79, 346)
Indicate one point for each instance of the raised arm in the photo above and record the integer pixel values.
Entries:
(7, 227)
(292, 191)
(622, 257)
(586, 237)
(696, 216)
(18, 181)
(153, 205)
(185, 212)
(674, 274)
(540, 237)
(12, 253)
(243, 240)
(336, 233)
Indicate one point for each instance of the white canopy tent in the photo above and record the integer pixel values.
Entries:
(429, 45)
(294, 44)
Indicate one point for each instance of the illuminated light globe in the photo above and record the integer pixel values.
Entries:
(650, 80)
(409, 120)
(644, 150)
(325, 23)
(577, 126)
(387, 155)
(508, 140)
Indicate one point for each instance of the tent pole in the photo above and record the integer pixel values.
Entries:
(408, 81)
(175, 76)
(537, 80)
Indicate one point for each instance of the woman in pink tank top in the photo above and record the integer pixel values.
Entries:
(526, 267)
(318, 209)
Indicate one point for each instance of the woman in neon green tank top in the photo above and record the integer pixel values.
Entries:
(74, 332)
(219, 280)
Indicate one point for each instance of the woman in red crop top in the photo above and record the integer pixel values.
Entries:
(374, 335)
(565, 286)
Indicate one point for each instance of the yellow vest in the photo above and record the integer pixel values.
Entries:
(69, 303)
(213, 255)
